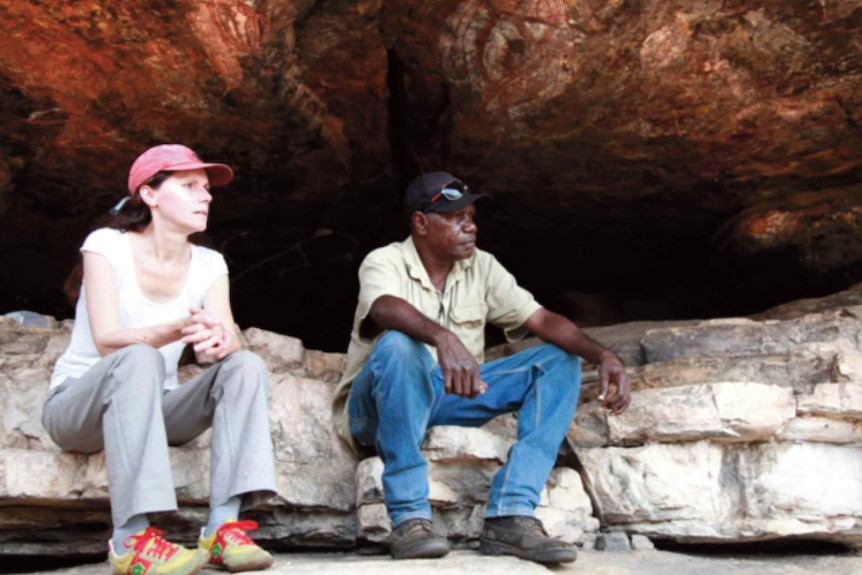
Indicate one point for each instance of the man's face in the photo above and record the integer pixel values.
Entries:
(452, 235)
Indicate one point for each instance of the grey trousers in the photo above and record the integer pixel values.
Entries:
(119, 406)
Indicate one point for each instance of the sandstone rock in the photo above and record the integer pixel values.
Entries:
(316, 469)
(821, 430)
(641, 543)
(748, 337)
(743, 412)
(613, 541)
(723, 413)
(284, 353)
(656, 483)
(565, 509)
(838, 400)
(708, 492)
(445, 444)
(850, 297)
(797, 369)
(731, 428)
(369, 487)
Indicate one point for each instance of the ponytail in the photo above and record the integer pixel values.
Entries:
(130, 214)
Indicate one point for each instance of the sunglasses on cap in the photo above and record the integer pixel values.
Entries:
(452, 191)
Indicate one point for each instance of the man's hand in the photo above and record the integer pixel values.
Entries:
(612, 372)
(460, 368)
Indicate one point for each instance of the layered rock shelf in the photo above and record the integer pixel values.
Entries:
(740, 430)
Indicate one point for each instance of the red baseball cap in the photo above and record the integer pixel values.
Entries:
(173, 158)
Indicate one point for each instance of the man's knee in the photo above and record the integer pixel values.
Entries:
(572, 363)
(555, 356)
(566, 368)
(398, 344)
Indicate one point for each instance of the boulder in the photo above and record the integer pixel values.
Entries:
(739, 430)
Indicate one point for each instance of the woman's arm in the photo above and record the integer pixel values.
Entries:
(103, 309)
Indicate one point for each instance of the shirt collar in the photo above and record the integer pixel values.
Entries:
(418, 272)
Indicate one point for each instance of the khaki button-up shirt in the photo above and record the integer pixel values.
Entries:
(478, 290)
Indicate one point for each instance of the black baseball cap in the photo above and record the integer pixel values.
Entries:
(438, 192)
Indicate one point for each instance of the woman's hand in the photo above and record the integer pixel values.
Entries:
(209, 337)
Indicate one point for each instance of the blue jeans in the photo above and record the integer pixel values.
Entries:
(399, 394)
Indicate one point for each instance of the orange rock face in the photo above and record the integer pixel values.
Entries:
(624, 135)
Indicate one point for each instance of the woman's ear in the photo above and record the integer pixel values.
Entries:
(148, 195)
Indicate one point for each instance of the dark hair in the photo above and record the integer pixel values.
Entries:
(135, 215)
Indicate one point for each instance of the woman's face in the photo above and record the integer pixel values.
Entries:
(183, 200)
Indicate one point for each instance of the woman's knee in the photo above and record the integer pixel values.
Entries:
(249, 366)
(246, 359)
(138, 352)
(140, 363)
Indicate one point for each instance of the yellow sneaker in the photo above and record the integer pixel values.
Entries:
(150, 554)
(232, 548)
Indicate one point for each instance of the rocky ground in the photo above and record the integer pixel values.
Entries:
(464, 562)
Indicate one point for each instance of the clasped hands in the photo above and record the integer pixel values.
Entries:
(207, 335)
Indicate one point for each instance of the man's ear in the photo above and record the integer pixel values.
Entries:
(420, 223)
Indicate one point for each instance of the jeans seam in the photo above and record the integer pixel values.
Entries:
(538, 385)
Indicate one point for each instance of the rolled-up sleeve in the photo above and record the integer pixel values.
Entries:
(509, 305)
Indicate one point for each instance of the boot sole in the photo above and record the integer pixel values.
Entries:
(422, 550)
(544, 556)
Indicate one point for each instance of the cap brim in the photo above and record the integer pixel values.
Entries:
(219, 174)
(445, 206)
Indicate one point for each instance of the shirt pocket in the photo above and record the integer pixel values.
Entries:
(468, 323)
(469, 316)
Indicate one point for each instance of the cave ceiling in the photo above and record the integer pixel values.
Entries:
(665, 151)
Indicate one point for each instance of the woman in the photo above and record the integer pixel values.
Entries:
(147, 292)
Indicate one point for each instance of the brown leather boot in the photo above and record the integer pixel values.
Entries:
(524, 537)
(414, 539)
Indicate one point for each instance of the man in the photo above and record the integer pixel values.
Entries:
(415, 361)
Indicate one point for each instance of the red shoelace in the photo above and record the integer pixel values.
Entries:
(160, 548)
(235, 531)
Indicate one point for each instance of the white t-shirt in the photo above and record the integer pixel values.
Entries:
(135, 309)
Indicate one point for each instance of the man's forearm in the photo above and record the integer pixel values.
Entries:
(390, 312)
(563, 333)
